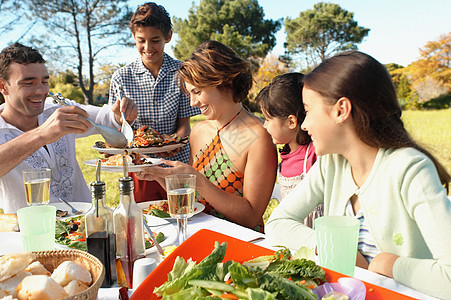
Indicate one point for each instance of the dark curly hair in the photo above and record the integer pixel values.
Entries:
(215, 65)
(18, 53)
(151, 14)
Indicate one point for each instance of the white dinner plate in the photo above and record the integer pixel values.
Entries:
(131, 168)
(156, 225)
(141, 149)
(198, 207)
(83, 206)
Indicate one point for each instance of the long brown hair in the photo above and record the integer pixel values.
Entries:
(375, 109)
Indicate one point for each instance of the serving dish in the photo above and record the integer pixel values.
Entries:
(143, 150)
(131, 168)
(200, 245)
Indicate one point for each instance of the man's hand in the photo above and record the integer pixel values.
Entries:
(64, 120)
(128, 107)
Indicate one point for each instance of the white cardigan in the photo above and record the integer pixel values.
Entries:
(67, 179)
(405, 206)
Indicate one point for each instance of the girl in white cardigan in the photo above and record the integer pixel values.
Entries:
(370, 168)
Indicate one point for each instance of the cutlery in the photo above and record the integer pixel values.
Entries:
(257, 239)
(113, 137)
(74, 210)
(127, 130)
(152, 237)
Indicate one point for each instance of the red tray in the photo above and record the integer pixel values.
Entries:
(201, 244)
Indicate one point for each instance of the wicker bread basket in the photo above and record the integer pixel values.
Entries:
(51, 260)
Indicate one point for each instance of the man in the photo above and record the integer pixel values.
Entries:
(36, 133)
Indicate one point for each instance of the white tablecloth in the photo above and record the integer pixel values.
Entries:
(11, 243)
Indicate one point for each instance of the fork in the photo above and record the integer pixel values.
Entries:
(74, 210)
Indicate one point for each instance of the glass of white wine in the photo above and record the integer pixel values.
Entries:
(37, 186)
(181, 189)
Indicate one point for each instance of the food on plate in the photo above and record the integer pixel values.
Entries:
(70, 232)
(148, 137)
(335, 296)
(24, 277)
(267, 277)
(61, 213)
(13, 263)
(8, 222)
(158, 209)
(132, 159)
(40, 287)
(68, 271)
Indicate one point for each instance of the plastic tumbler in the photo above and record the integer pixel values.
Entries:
(142, 268)
(37, 227)
(337, 238)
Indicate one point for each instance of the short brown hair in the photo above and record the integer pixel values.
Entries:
(18, 53)
(151, 14)
(215, 65)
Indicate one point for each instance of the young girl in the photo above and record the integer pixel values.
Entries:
(370, 168)
(281, 104)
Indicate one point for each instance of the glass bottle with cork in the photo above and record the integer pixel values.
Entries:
(99, 228)
(129, 230)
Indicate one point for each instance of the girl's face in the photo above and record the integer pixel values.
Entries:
(279, 129)
(320, 122)
(150, 42)
(210, 101)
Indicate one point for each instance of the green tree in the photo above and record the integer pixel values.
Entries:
(400, 79)
(321, 32)
(77, 31)
(237, 23)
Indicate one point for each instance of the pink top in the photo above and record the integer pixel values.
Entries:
(292, 164)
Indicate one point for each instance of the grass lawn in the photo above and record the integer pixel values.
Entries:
(431, 129)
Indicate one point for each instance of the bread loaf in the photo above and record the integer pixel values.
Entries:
(75, 287)
(14, 263)
(8, 222)
(40, 287)
(68, 271)
(9, 285)
(36, 268)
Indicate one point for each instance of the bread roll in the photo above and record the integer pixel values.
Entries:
(9, 285)
(68, 271)
(36, 268)
(14, 263)
(8, 222)
(40, 287)
(75, 287)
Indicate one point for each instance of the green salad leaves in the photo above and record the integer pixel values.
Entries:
(266, 277)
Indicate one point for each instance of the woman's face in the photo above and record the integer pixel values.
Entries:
(210, 101)
(320, 123)
(150, 42)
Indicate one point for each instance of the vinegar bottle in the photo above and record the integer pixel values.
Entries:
(100, 232)
(129, 230)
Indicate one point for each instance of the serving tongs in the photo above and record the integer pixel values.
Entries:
(126, 129)
(113, 137)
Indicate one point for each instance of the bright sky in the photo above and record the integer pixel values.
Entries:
(399, 28)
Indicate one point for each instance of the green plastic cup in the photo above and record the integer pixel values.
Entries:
(337, 238)
(37, 227)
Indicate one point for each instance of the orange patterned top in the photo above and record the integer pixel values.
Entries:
(213, 162)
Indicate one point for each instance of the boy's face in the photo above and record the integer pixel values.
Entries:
(150, 42)
(26, 89)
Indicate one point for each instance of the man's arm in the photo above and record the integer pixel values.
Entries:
(63, 121)
(183, 127)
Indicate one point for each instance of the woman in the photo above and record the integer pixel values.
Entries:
(232, 154)
(371, 169)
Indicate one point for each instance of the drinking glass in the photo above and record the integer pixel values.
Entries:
(180, 189)
(37, 186)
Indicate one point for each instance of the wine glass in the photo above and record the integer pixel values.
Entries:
(181, 189)
(37, 186)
